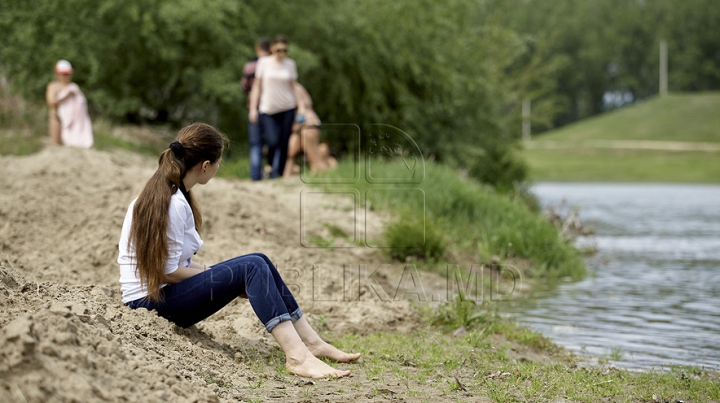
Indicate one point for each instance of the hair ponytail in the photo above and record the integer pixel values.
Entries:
(148, 235)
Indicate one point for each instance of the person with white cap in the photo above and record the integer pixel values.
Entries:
(69, 123)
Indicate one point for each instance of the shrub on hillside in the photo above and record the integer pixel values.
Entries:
(412, 237)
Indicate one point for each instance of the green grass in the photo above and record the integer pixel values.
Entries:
(476, 224)
(424, 364)
(236, 167)
(611, 165)
(677, 117)
(582, 151)
(106, 142)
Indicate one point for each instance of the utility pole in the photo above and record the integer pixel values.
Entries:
(663, 68)
(526, 120)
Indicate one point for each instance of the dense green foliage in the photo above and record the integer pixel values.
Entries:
(438, 71)
(136, 60)
(451, 74)
(611, 47)
(439, 75)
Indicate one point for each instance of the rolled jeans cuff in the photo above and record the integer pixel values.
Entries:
(282, 318)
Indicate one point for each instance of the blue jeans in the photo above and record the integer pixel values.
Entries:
(194, 299)
(256, 145)
(277, 129)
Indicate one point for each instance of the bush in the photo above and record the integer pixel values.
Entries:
(410, 236)
(462, 311)
(479, 223)
(23, 124)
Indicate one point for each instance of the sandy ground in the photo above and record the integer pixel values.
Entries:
(66, 337)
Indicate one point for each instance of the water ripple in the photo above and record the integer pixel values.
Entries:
(654, 297)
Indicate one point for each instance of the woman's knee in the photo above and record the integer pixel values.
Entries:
(261, 256)
(257, 265)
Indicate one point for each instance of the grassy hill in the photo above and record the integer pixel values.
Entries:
(670, 139)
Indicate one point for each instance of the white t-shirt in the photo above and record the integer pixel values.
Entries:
(183, 242)
(278, 94)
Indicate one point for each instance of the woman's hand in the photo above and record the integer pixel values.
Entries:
(253, 116)
(68, 95)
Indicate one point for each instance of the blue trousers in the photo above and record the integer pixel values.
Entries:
(194, 299)
(256, 144)
(277, 129)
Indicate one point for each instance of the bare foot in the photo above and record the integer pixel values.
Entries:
(323, 349)
(311, 367)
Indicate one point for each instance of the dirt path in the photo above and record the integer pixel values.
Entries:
(626, 144)
(66, 337)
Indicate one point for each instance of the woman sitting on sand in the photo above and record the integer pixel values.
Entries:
(157, 271)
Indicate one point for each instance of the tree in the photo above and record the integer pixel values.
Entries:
(136, 60)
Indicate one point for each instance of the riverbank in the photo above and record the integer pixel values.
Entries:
(65, 336)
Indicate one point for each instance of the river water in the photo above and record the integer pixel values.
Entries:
(652, 298)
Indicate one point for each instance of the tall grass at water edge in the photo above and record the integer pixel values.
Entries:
(471, 220)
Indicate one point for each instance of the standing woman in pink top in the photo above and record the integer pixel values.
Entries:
(69, 122)
(273, 101)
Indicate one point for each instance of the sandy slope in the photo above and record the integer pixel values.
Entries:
(65, 336)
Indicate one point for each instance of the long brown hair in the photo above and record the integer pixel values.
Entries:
(194, 144)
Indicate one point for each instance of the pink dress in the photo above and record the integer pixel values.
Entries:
(76, 128)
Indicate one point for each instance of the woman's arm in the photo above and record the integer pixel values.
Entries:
(51, 93)
(300, 100)
(183, 273)
(180, 217)
(50, 98)
(255, 99)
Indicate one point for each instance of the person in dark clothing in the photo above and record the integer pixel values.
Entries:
(255, 135)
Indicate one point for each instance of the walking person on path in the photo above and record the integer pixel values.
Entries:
(273, 102)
